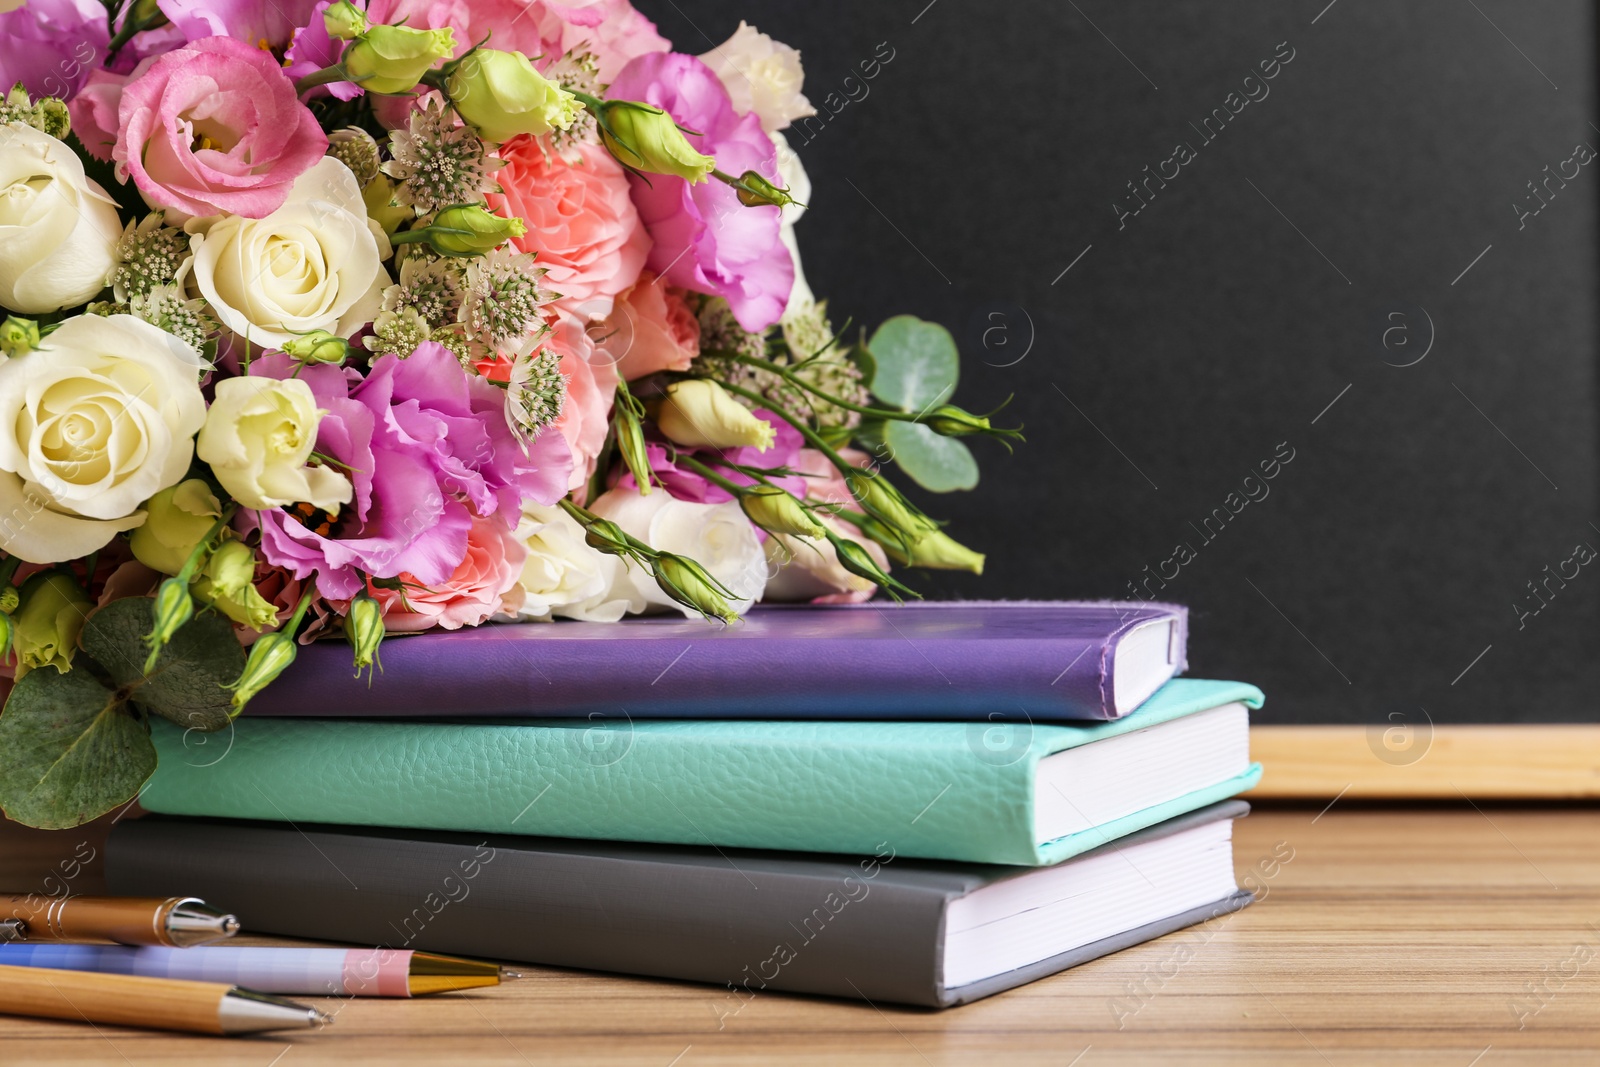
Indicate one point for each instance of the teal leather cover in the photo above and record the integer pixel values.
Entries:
(946, 790)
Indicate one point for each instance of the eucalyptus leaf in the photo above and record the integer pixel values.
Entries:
(938, 464)
(917, 363)
(187, 683)
(70, 751)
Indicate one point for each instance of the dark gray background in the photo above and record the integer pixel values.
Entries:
(1376, 582)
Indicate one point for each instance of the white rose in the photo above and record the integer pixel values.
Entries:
(564, 576)
(93, 425)
(717, 536)
(761, 75)
(316, 263)
(57, 228)
(257, 438)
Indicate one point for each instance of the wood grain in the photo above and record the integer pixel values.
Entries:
(1449, 936)
(1421, 761)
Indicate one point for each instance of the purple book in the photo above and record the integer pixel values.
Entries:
(1042, 660)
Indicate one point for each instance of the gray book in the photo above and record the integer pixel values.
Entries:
(882, 927)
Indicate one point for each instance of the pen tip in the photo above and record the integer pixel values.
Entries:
(319, 1018)
(230, 925)
(508, 975)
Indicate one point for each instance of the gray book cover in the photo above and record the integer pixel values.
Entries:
(744, 920)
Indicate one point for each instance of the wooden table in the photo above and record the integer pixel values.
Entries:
(1415, 935)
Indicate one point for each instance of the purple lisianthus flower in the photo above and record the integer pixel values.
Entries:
(426, 447)
(705, 239)
(264, 23)
(313, 50)
(51, 46)
(685, 484)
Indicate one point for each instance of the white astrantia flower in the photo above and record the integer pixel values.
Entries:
(717, 536)
(314, 264)
(563, 576)
(58, 229)
(91, 426)
(761, 75)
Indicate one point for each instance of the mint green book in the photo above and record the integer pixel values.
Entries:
(1002, 791)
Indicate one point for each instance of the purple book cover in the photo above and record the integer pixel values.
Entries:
(1016, 660)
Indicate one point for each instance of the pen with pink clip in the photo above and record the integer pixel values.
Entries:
(356, 972)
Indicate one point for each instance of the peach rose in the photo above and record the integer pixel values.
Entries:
(483, 586)
(650, 329)
(581, 222)
(591, 386)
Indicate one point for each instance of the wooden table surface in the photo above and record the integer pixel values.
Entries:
(1452, 935)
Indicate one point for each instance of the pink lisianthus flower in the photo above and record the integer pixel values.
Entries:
(705, 239)
(548, 29)
(94, 112)
(262, 24)
(482, 586)
(312, 50)
(51, 46)
(650, 329)
(215, 127)
(581, 222)
(426, 448)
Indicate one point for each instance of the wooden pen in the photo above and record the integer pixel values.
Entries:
(156, 1003)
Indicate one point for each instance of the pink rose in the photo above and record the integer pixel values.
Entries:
(651, 329)
(591, 386)
(94, 112)
(215, 127)
(483, 586)
(581, 222)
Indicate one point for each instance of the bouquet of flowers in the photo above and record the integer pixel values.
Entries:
(330, 319)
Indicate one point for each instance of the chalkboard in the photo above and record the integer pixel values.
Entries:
(1297, 301)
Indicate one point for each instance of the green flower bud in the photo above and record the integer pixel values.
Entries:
(777, 510)
(377, 196)
(18, 336)
(687, 582)
(502, 95)
(937, 550)
(318, 346)
(885, 503)
(345, 21)
(227, 583)
(630, 442)
(175, 520)
(646, 138)
(268, 659)
(756, 191)
(859, 562)
(471, 230)
(7, 633)
(392, 59)
(606, 536)
(173, 607)
(951, 421)
(48, 621)
(364, 629)
(9, 599)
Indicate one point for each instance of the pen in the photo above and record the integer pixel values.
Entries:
(158, 1003)
(174, 921)
(357, 972)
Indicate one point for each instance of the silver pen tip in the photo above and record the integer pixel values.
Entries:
(230, 925)
(508, 975)
(319, 1018)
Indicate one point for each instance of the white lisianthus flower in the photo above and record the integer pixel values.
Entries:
(258, 437)
(91, 427)
(761, 75)
(564, 576)
(58, 229)
(795, 179)
(316, 263)
(717, 536)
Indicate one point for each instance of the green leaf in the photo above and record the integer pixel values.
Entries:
(187, 683)
(938, 464)
(69, 750)
(917, 363)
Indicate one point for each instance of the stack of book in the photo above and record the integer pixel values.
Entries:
(922, 804)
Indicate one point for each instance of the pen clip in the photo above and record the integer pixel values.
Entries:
(13, 930)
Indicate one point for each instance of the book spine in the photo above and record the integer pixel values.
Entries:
(967, 798)
(842, 930)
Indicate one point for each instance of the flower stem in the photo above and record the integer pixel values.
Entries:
(811, 436)
(325, 76)
(726, 484)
